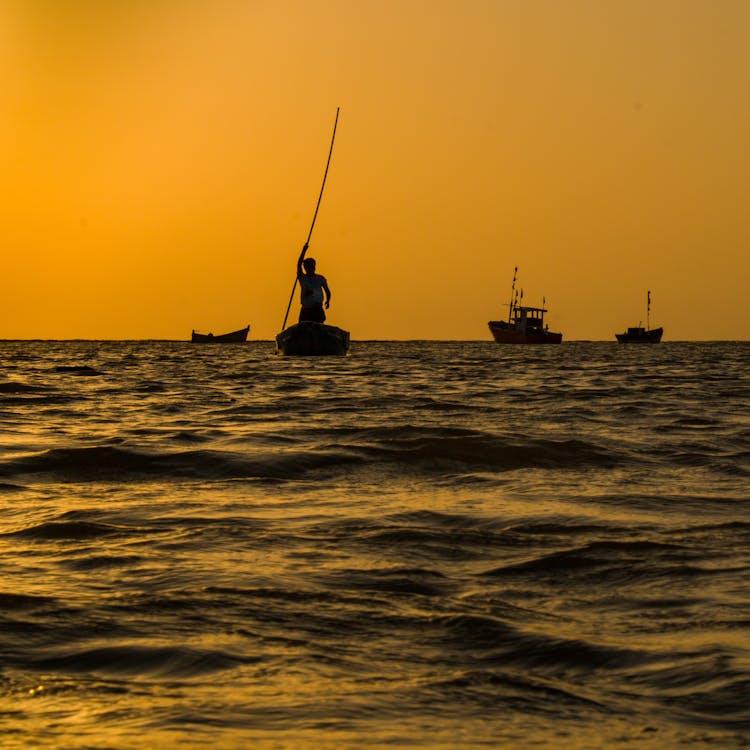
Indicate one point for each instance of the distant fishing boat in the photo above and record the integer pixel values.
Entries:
(234, 337)
(525, 325)
(640, 335)
(312, 339)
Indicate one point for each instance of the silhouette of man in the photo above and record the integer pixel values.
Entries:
(312, 286)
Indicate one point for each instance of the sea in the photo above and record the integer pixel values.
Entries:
(420, 545)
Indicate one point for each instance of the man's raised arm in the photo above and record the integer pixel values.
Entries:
(301, 258)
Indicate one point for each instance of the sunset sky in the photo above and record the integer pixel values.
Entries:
(161, 160)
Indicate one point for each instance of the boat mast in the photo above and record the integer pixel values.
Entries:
(648, 310)
(512, 291)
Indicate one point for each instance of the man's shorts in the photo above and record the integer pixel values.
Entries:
(314, 313)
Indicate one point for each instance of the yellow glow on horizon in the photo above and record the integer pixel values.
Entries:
(161, 163)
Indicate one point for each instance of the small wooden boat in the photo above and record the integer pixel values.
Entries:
(640, 335)
(525, 325)
(312, 340)
(234, 337)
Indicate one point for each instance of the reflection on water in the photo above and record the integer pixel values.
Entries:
(424, 544)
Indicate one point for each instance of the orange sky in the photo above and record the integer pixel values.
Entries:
(161, 160)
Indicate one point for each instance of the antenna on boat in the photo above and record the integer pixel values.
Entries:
(512, 290)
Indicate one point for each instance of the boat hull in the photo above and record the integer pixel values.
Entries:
(309, 339)
(234, 337)
(640, 336)
(506, 334)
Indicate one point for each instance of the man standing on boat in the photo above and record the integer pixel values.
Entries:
(312, 286)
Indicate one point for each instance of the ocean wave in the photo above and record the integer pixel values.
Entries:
(422, 450)
(13, 387)
(191, 436)
(105, 463)
(491, 640)
(617, 563)
(703, 688)
(12, 602)
(6, 487)
(484, 689)
(38, 398)
(433, 535)
(739, 527)
(106, 562)
(79, 370)
(67, 530)
(156, 662)
(698, 423)
(406, 581)
(449, 448)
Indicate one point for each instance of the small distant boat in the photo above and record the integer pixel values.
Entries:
(640, 335)
(311, 339)
(234, 337)
(525, 325)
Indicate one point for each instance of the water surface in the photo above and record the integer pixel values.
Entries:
(423, 544)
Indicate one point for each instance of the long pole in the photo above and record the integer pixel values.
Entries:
(315, 215)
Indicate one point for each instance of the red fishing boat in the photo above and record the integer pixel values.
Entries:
(525, 325)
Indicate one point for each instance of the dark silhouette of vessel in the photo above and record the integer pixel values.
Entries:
(312, 340)
(640, 335)
(525, 325)
(233, 337)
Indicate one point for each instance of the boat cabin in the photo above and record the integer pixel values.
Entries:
(528, 318)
